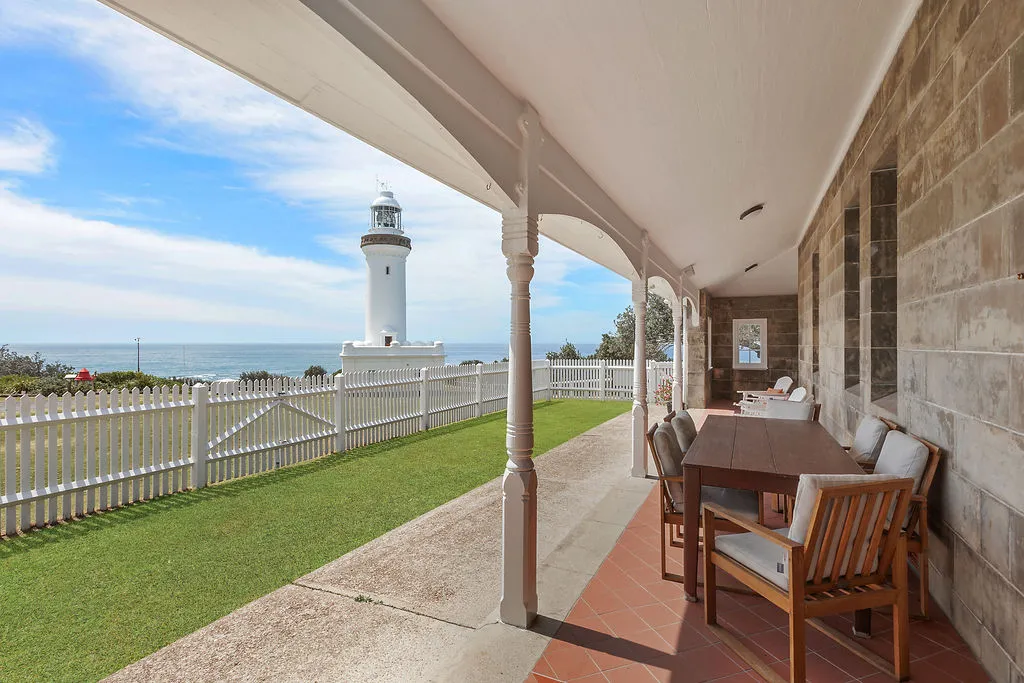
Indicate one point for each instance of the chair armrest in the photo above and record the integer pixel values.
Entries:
(753, 527)
(679, 478)
(918, 498)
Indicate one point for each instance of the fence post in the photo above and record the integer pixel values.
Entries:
(479, 390)
(200, 437)
(602, 373)
(340, 419)
(424, 402)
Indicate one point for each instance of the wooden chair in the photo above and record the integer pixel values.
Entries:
(671, 507)
(836, 558)
(916, 526)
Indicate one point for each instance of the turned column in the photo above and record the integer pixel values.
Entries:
(519, 485)
(677, 354)
(639, 413)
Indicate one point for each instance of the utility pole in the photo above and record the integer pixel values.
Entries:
(138, 354)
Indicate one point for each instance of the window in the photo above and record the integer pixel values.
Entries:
(749, 343)
(387, 340)
(387, 270)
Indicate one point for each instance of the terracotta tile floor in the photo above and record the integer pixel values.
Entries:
(630, 625)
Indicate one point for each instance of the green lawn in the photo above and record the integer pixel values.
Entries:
(81, 600)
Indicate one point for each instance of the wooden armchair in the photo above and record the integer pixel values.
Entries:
(835, 558)
(670, 479)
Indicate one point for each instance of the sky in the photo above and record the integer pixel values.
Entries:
(145, 191)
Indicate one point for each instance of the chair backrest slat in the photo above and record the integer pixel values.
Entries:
(819, 555)
(877, 532)
(857, 567)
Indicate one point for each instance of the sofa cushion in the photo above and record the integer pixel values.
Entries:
(867, 442)
(686, 430)
(903, 456)
(670, 458)
(739, 501)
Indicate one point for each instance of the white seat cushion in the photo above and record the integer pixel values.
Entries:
(789, 410)
(686, 430)
(738, 501)
(867, 442)
(902, 456)
(757, 554)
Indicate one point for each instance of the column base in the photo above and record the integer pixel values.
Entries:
(639, 427)
(519, 548)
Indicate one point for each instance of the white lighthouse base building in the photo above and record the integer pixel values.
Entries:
(357, 356)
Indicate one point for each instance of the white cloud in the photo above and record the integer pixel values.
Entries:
(25, 147)
(59, 262)
(457, 283)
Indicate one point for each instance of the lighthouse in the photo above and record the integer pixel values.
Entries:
(385, 344)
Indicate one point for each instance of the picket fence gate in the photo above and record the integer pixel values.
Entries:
(68, 456)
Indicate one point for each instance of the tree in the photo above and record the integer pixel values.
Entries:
(472, 362)
(13, 363)
(618, 344)
(567, 352)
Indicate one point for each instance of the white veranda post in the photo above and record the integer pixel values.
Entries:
(519, 484)
(678, 307)
(639, 468)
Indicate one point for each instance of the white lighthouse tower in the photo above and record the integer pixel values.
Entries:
(386, 345)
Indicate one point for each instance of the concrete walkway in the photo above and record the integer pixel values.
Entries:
(420, 602)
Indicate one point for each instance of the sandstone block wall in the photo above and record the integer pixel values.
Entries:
(947, 121)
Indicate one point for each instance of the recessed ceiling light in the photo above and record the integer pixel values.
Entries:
(755, 209)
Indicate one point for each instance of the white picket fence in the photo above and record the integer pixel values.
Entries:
(63, 457)
(604, 379)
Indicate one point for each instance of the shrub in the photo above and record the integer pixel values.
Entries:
(51, 385)
(472, 362)
(254, 376)
(314, 371)
(258, 376)
(17, 384)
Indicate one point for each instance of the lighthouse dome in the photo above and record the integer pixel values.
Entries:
(386, 198)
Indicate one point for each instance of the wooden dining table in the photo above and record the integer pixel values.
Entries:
(757, 454)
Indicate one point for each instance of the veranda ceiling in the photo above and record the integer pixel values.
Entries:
(664, 116)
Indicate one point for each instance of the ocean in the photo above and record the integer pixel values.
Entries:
(217, 361)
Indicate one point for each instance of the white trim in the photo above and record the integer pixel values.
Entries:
(763, 324)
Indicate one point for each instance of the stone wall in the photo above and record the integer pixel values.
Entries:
(696, 357)
(947, 117)
(781, 313)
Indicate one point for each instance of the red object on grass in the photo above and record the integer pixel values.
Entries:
(84, 376)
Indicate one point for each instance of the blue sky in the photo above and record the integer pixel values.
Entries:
(147, 192)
